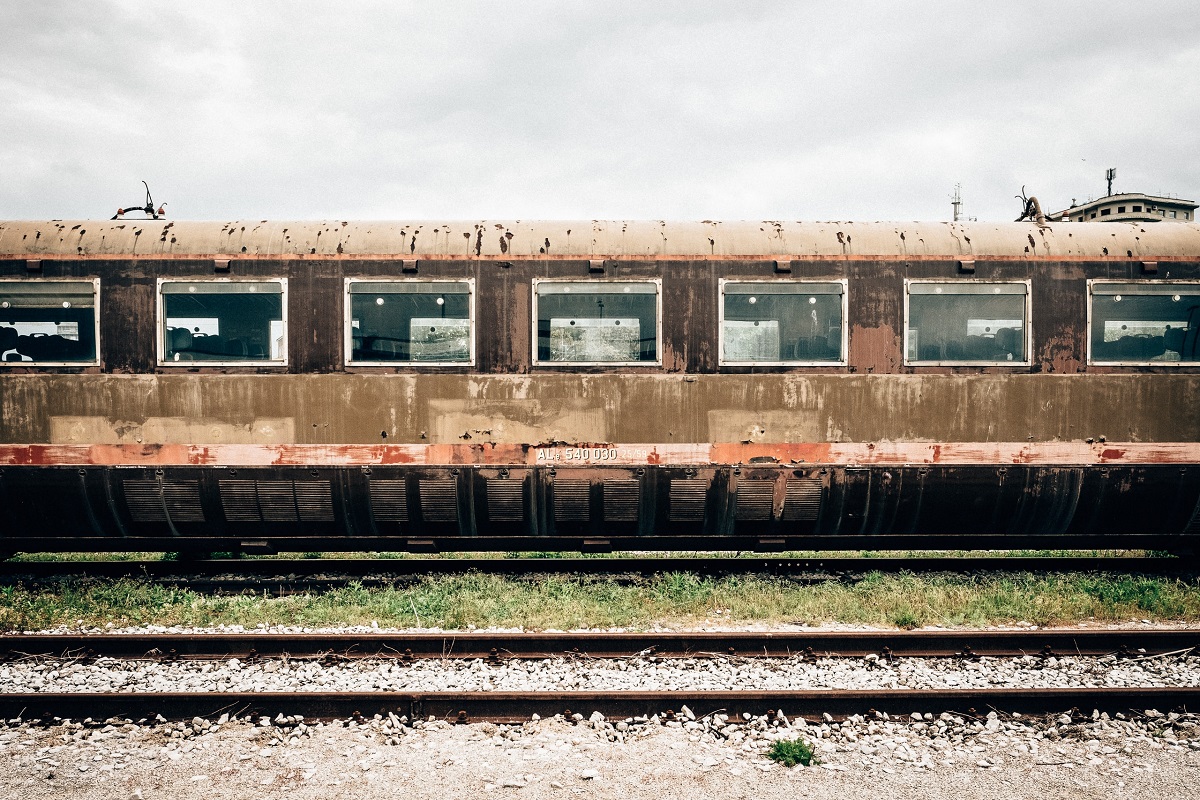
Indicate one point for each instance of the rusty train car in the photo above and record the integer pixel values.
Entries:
(426, 386)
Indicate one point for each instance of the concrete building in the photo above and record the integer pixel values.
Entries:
(1130, 207)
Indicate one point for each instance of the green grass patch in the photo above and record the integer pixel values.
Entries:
(790, 752)
(574, 601)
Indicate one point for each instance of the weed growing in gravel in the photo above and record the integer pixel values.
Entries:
(790, 752)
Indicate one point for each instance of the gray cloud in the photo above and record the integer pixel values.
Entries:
(872, 110)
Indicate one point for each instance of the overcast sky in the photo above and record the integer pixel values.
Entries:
(643, 110)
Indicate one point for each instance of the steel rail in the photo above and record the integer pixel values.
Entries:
(329, 572)
(518, 707)
(54, 542)
(500, 645)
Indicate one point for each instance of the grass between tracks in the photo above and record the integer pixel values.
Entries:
(672, 600)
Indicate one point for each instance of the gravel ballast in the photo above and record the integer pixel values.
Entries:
(1150, 754)
(581, 674)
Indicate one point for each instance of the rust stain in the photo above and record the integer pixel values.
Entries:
(1060, 354)
(599, 454)
(875, 349)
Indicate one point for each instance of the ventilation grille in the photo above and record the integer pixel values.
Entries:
(621, 500)
(687, 499)
(755, 500)
(240, 501)
(147, 499)
(277, 501)
(439, 499)
(572, 501)
(506, 500)
(389, 500)
(314, 501)
(803, 501)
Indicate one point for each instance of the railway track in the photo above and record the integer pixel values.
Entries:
(283, 576)
(508, 706)
(463, 707)
(915, 644)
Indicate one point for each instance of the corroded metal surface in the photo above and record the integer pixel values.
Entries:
(527, 453)
(498, 239)
(599, 455)
(340, 409)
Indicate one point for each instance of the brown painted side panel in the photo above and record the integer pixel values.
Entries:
(339, 409)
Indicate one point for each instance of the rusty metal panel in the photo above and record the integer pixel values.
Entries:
(591, 239)
(472, 411)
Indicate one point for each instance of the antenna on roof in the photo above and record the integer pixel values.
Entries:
(1109, 175)
(956, 201)
(147, 209)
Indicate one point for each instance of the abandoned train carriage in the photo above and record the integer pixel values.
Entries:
(587, 385)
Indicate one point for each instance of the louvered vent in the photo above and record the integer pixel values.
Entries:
(314, 501)
(146, 500)
(687, 499)
(439, 499)
(572, 501)
(182, 499)
(621, 500)
(755, 499)
(505, 500)
(240, 501)
(803, 501)
(389, 500)
(276, 501)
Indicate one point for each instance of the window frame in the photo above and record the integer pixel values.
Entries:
(160, 325)
(1087, 335)
(658, 323)
(1027, 322)
(348, 319)
(95, 282)
(843, 357)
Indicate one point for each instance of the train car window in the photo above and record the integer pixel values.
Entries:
(1143, 323)
(966, 323)
(223, 322)
(429, 322)
(49, 322)
(596, 322)
(765, 323)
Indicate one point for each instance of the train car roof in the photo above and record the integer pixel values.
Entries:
(650, 240)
